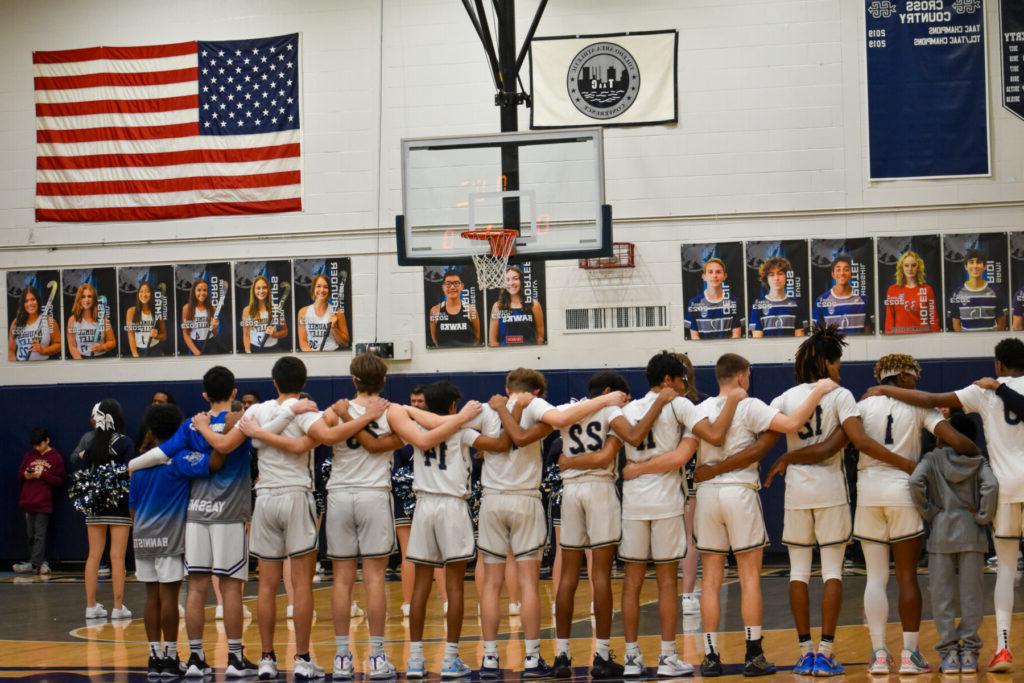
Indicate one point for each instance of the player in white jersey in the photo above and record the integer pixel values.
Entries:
(511, 515)
(653, 504)
(728, 514)
(817, 510)
(442, 530)
(1004, 436)
(284, 521)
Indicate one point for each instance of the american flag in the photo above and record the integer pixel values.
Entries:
(168, 131)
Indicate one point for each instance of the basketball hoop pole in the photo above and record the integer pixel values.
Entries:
(505, 65)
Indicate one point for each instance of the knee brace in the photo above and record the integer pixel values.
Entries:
(832, 562)
(800, 563)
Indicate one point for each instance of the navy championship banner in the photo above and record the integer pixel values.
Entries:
(202, 295)
(147, 311)
(90, 304)
(323, 304)
(516, 315)
(842, 284)
(714, 305)
(1011, 34)
(1017, 279)
(264, 306)
(33, 315)
(777, 288)
(910, 284)
(452, 299)
(612, 79)
(926, 88)
(976, 281)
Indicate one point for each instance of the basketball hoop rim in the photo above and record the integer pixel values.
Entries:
(502, 240)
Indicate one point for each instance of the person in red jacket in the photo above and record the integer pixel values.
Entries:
(41, 471)
(910, 304)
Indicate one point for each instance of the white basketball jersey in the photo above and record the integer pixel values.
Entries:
(279, 469)
(657, 496)
(752, 417)
(520, 468)
(588, 436)
(354, 466)
(897, 426)
(824, 484)
(445, 469)
(487, 423)
(1004, 436)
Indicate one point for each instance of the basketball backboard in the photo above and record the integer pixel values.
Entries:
(453, 184)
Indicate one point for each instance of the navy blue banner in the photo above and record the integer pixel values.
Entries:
(1011, 30)
(927, 103)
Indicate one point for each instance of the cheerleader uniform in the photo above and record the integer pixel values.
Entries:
(402, 458)
(122, 449)
(318, 330)
(25, 336)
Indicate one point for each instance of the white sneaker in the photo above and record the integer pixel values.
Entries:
(415, 667)
(356, 610)
(268, 668)
(633, 666)
(218, 613)
(514, 608)
(44, 568)
(246, 614)
(121, 612)
(672, 666)
(381, 668)
(343, 666)
(95, 612)
(289, 611)
(690, 604)
(406, 609)
(306, 670)
(24, 568)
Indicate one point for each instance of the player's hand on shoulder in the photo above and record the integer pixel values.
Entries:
(667, 395)
(201, 419)
(470, 410)
(987, 383)
(523, 398)
(615, 398)
(340, 407)
(738, 393)
(304, 405)
(248, 425)
(497, 401)
(375, 407)
(877, 390)
(825, 385)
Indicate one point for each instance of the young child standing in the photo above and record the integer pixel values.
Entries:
(41, 471)
(957, 495)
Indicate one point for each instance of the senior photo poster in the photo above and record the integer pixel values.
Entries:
(910, 284)
(714, 304)
(1017, 280)
(977, 281)
(147, 311)
(34, 321)
(842, 284)
(323, 304)
(90, 305)
(202, 297)
(777, 284)
(263, 310)
(516, 314)
(452, 300)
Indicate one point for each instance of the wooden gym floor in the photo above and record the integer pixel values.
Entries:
(44, 637)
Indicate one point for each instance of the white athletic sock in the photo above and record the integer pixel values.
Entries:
(806, 646)
(632, 648)
(876, 602)
(377, 645)
(196, 647)
(155, 648)
(341, 646)
(235, 647)
(909, 641)
(668, 647)
(753, 632)
(451, 651)
(532, 648)
(1006, 551)
(561, 646)
(710, 643)
(603, 648)
(171, 649)
(825, 647)
(490, 648)
(416, 649)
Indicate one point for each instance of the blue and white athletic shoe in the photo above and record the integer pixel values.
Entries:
(827, 666)
(805, 665)
(456, 668)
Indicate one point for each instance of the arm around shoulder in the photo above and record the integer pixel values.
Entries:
(989, 489)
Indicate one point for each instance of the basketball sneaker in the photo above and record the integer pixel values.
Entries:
(881, 663)
(826, 665)
(95, 612)
(454, 668)
(757, 665)
(805, 665)
(968, 662)
(306, 669)
(121, 612)
(415, 667)
(490, 667)
(634, 666)
(911, 662)
(171, 667)
(534, 666)
(1001, 662)
(153, 670)
(562, 667)
(950, 663)
(670, 666)
(343, 668)
(711, 667)
(690, 604)
(606, 668)
(239, 666)
(196, 667)
(267, 669)
(381, 668)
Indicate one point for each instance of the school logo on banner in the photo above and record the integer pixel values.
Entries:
(625, 79)
(603, 80)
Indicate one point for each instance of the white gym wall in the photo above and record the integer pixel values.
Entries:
(771, 142)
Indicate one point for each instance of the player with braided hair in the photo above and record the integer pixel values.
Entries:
(817, 510)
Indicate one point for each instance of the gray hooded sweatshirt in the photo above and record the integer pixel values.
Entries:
(957, 495)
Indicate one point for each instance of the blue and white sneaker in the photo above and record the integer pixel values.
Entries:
(805, 665)
(490, 667)
(827, 666)
(415, 667)
(456, 668)
(343, 668)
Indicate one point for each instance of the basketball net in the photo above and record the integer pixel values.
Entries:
(490, 266)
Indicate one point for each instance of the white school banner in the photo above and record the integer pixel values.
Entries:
(618, 79)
